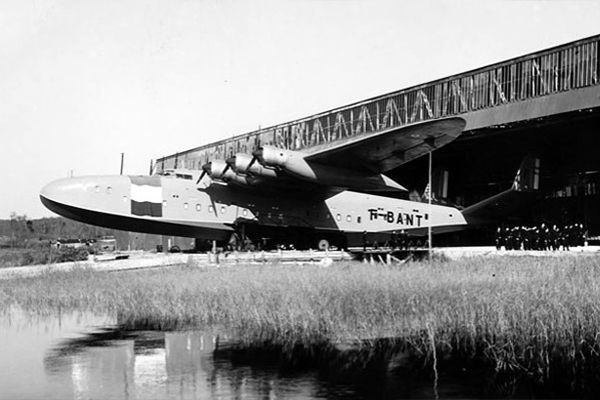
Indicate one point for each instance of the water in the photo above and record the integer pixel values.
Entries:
(84, 356)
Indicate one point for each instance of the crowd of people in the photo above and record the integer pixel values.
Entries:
(540, 237)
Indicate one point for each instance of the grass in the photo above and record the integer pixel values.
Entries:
(536, 317)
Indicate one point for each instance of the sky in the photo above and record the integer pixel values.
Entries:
(82, 81)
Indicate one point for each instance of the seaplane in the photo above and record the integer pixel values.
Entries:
(330, 196)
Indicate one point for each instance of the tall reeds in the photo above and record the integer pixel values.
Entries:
(534, 316)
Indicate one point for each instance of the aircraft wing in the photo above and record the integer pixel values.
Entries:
(389, 149)
(358, 163)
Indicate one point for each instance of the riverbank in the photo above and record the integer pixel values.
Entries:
(137, 260)
(536, 318)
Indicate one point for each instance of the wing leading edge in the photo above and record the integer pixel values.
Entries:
(357, 164)
(390, 149)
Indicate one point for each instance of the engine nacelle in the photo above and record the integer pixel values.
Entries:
(240, 162)
(246, 164)
(215, 169)
(218, 170)
(270, 156)
(294, 163)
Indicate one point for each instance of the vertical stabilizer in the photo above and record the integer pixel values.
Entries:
(439, 185)
(528, 175)
(512, 201)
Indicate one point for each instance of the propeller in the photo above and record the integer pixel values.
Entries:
(200, 178)
(256, 155)
(218, 169)
(205, 170)
(230, 164)
(227, 168)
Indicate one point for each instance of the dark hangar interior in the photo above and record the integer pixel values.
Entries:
(482, 163)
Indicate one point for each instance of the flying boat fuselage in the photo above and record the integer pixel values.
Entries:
(177, 205)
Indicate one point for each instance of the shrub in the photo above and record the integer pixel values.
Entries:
(66, 254)
(41, 253)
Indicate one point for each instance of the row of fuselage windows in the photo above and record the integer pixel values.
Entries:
(174, 174)
(338, 217)
(108, 189)
(211, 210)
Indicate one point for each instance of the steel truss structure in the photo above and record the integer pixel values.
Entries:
(484, 97)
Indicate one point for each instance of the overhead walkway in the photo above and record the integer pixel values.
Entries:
(554, 81)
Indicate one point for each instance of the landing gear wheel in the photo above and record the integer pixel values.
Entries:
(323, 244)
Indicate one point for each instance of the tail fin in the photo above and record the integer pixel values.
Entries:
(428, 193)
(511, 201)
(438, 190)
(528, 175)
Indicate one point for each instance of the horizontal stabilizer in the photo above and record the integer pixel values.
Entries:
(389, 183)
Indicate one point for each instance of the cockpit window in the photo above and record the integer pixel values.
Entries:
(175, 174)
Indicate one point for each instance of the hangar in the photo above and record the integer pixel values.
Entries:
(545, 103)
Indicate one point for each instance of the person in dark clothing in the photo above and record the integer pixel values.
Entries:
(554, 238)
(528, 239)
(498, 238)
(544, 237)
(565, 238)
(580, 234)
(393, 240)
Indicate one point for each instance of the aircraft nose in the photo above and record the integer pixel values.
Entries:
(86, 192)
(60, 190)
(69, 192)
(59, 195)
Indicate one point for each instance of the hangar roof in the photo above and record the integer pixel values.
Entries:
(553, 81)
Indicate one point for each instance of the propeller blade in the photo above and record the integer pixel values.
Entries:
(201, 176)
(231, 163)
(256, 154)
(227, 168)
(251, 163)
(205, 170)
(214, 206)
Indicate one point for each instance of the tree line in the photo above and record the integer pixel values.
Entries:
(19, 230)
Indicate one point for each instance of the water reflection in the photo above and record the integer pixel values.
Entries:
(24, 341)
(115, 364)
(84, 356)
